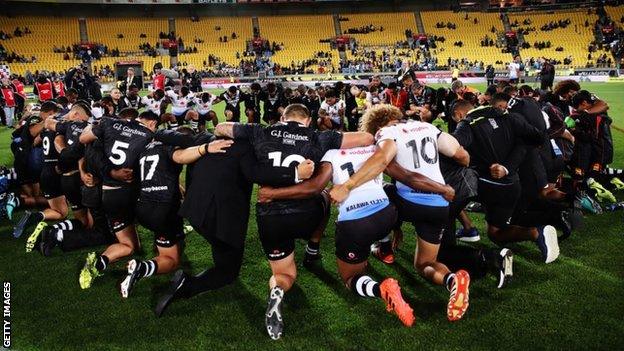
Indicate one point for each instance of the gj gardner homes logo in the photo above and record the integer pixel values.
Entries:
(6, 314)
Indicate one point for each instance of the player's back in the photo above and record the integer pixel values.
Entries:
(417, 151)
(284, 145)
(159, 173)
(365, 199)
(123, 141)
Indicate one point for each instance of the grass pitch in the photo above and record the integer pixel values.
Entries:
(574, 303)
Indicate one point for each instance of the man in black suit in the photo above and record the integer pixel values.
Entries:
(129, 81)
(216, 204)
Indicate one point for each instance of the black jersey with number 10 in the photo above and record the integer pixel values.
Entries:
(285, 145)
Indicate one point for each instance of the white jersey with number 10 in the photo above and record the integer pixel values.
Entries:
(367, 198)
(417, 151)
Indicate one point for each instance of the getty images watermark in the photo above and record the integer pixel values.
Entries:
(6, 314)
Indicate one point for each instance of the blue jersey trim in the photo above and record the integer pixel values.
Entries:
(364, 211)
(433, 200)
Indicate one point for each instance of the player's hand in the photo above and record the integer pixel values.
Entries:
(219, 146)
(122, 174)
(264, 194)
(449, 193)
(339, 193)
(497, 171)
(87, 178)
(305, 169)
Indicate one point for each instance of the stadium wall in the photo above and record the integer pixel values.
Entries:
(14, 9)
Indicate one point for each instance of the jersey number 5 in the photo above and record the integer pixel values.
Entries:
(118, 156)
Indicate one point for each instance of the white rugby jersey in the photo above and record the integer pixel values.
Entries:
(417, 151)
(151, 104)
(332, 111)
(203, 107)
(180, 104)
(367, 198)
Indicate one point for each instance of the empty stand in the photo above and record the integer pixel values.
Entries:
(300, 35)
(469, 33)
(46, 32)
(574, 39)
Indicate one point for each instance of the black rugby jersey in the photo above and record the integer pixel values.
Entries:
(123, 142)
(232, 102)
(285, 145)
(50, 155)
(159, 174)
(427, 97)
(71, 130)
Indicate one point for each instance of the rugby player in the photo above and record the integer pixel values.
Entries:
(281, 222)
(122, 142)
(415, 145)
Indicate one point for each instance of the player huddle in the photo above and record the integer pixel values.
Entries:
(530, 160)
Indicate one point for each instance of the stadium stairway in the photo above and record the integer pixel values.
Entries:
(84, 34)
(506, 23)
(337, 28)
(419, 23)
(255, 24)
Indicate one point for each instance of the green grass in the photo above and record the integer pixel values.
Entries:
(574, 303)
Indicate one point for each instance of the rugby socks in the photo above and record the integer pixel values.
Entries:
(101, 262)
(146, 268)
(449, 278)
(312, 248)
(365, 286)
(66, 225)
(385, 244)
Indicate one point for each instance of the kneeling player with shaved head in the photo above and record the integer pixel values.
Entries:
(291, 141)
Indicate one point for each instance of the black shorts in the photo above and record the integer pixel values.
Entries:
(50, 183)
(162, 219)
(91, 196)
(499, 201)
(428, 221)
(70, 184)
(118, 205)
(354, 237)
(278, 232)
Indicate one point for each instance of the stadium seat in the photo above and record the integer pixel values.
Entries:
(574, 39)
(300, 35)
(469, 33)
(45, 34)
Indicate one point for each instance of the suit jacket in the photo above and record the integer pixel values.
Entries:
(136, 80)
(222, 185)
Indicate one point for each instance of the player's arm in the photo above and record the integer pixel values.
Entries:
(87, 136)
(225, 129)
(50, 124)
(376, 164)
(194, 153)
(449, 147)
(418, 181)
(303, 190)
(60, 143)
(356, 139)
